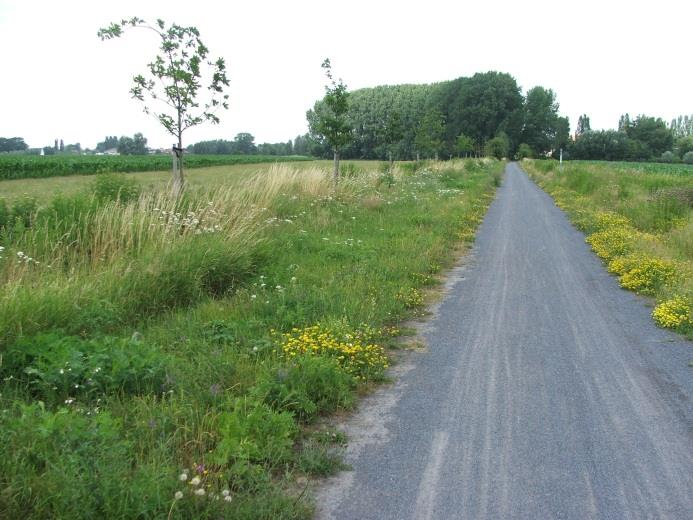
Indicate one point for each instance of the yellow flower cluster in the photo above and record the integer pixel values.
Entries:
(411, 297)
(361, 359)
(614, 236)
(674, 312)
(649, 274)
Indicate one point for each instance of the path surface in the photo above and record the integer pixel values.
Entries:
(545, 392)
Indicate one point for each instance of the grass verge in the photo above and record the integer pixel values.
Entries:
(171, 359)
(639, 221)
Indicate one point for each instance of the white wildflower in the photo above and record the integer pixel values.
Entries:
(183, 477)
(200, 492)
(195, 481)
(178, 495)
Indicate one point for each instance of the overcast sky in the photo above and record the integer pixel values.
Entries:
(601, 58)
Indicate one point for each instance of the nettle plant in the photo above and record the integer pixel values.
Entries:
(175, 80)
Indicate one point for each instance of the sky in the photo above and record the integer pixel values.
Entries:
(601, 57)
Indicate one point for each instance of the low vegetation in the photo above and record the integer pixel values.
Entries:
(174, 359)
(639, 220)
(16, 166)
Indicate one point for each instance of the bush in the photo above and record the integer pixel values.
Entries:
(688, 157)
(667, 157)
(306, 387)
(24, 211)
(114, 187)
(524, 151)
(253, 432)
(59, 368)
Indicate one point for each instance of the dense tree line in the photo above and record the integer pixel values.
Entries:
(12, 144)
(244, 144)
(639, 139)
(456, 117)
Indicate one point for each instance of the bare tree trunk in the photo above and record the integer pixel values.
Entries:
(391, 160)
(336, 167)
(436, 156)
(417, 157)
(178, 179)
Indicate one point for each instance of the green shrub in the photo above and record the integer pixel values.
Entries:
(59, 368)
(667, 157)
(254, 432)
(115, 187)
(24, 211)
(688, 157)
(307, 387)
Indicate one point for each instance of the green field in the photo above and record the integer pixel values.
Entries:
(14, 166)
(44, 189)
(638, 218)
(155, 348)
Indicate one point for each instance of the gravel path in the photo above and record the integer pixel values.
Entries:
(545, 392)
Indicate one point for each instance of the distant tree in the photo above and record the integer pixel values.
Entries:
(624, 123)
(541, 120)
(524, 151)
(498, 147)
(464, 145)
(667, 157)
(429, 135)
(49, 150)
(175, 79)
(488, 103)
(12, 144)
(683, 145)
(62, 146)
(583, 125)
(75, 148)
(391, 133)
(561, 137)
(328, 119)
(244, 144)
(688, 157)
(651, 132)
(111, 141)
(136, 145)
(55, 146)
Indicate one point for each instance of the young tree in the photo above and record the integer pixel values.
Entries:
(498, 147)
(174, 82)
(328, 119)
(464, 145)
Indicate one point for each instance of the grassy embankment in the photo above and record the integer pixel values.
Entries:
(639, 220)
(165, 359)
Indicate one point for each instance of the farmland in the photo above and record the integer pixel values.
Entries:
(31, 166)
(638, 218)
(175, 357)
(44, 189)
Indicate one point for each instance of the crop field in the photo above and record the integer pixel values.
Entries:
(32, 166)
(644, 167)
(177, 358)
(638, 218)
(44, 189)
